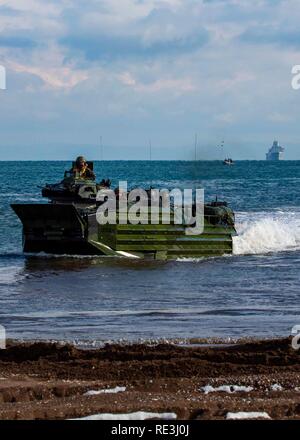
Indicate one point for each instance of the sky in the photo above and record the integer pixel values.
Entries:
(131, 71)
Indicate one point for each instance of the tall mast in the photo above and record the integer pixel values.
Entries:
(101, 148)
(150, 149)
(196, 145)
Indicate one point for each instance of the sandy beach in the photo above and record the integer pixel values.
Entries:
(54, 381)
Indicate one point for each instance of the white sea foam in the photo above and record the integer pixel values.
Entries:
(10, 274)
(139, 415)
(68, 256)
(265, 232)
(247, 415)
(226, 389)
(105, 391)
(276, 387)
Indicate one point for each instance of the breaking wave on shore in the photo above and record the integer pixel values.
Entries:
(265, 232)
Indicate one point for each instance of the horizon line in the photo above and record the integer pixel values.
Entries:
(148, 160)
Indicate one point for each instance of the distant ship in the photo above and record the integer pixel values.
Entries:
(228, 161)
(275, 152)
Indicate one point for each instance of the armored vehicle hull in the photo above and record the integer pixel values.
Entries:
(73, 229)
(68, 225)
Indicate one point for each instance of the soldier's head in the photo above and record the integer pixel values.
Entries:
(80, 162)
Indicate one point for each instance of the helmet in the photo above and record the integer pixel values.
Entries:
(80, 159)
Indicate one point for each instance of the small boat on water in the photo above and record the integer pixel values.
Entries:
(68, 224)
(228, 161)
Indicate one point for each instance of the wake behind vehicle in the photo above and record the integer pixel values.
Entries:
(68, 224)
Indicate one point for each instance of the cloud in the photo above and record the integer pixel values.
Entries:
(271, 36)
(57, 78)
(36, 7)
(17, 42)
(130, 67)
(6, 10)
(157, 32)
(226, 118)
(105, 48)
(178, 86)
(281, 118)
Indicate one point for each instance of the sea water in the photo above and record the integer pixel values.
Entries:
(253, 293)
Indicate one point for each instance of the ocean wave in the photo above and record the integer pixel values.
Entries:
(10, 275)
(195, 311)
(216, 341)
(266, 232)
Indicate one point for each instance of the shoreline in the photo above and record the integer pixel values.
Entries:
(193, 342)
(49, 381)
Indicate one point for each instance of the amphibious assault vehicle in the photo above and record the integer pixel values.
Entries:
(68, 224)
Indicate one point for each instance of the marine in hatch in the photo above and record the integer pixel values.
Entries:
(81, 169)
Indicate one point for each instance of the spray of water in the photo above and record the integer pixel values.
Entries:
(260, 233)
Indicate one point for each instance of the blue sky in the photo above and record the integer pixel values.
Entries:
(134, 70)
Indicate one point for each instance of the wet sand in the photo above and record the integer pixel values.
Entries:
(48, 381)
